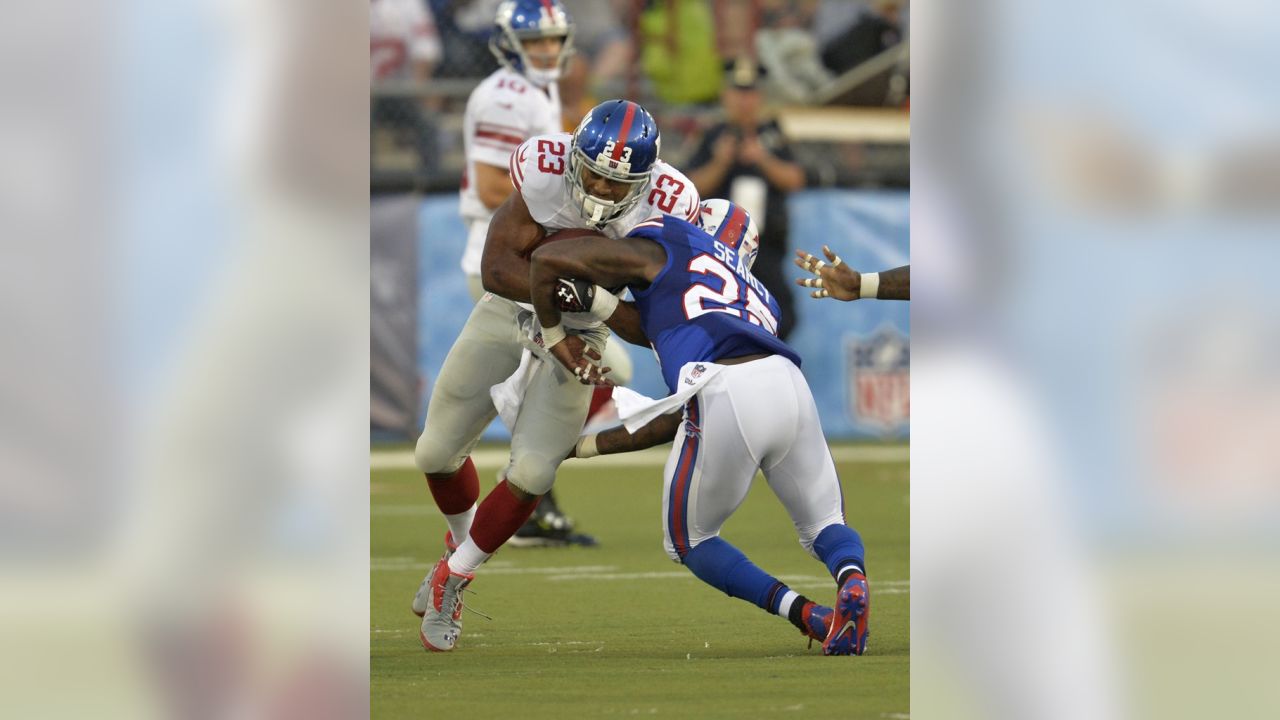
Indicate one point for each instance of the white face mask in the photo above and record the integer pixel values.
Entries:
(594, 209)
(599, 211)
(541, 78)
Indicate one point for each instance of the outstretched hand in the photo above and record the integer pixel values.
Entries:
(581, 360)
(834, 279)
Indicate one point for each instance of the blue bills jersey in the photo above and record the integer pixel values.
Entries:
(704, 305)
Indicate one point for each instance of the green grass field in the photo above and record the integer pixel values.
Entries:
(620, 630)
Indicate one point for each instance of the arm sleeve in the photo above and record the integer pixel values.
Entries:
(689, 205)
(499, 130)
(518, 162)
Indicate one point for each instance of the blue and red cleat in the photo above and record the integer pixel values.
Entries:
(817, 622)
(848, 635)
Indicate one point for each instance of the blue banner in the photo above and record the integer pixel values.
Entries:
(855, 355)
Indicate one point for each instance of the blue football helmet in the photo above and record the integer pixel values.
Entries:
(520, 20)
(618, 140)
(732, 225)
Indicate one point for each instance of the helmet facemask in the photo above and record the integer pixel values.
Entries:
(597, 210)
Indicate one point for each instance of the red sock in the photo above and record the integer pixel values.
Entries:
(498, 517)
(457, 492)
(601, 395)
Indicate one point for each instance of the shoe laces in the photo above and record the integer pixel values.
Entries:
(467, 606)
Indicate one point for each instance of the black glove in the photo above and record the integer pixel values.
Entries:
(574, 295)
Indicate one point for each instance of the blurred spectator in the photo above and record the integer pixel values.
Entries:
(745, 159)
(604, 50)
(465, 27)
(403, 45)
(679, 54)
(877, 29)
(831, 18)
(788, 49)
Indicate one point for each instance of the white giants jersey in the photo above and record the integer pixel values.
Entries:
(502, 112)
(538, 170)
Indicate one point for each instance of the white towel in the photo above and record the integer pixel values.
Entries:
(509, 394)
(636, 410)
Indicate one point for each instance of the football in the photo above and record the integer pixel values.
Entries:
(567, 234)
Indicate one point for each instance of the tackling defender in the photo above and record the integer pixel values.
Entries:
(747, 407)
(606, 176)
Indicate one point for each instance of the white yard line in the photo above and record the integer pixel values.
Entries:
(496, 457)
(574, 573)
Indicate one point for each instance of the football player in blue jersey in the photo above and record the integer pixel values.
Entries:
(746, 406)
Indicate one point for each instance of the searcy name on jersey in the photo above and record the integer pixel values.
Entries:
(729, 257)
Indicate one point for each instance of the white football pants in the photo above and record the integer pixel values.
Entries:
(486, 353)
(757, 415)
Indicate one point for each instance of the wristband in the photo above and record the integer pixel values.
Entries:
(586, 447)
(552, 335)
(870, 286)
(604, 304)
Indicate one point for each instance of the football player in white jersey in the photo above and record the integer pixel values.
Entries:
(532, 40)
(606, 176)
(519, 100)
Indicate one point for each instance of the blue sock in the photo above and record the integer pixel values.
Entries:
(840, 548)
(723, 566)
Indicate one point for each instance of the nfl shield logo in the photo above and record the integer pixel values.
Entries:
(878, 368)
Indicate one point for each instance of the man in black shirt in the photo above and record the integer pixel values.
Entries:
(745, 159)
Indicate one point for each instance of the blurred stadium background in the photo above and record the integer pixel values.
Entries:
(835, 76)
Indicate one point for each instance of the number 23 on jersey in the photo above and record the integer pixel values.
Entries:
(551, 157)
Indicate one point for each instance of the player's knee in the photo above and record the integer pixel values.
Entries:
(682, 553)
(806, 542)
(433, 457)
(671, 551)
(533, 473)
(808, 534)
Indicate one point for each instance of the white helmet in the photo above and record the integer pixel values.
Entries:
(733, 226)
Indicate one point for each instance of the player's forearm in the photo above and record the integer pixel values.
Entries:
(493, 184)
(492, 197)
(542, 290)
(508, 278)
(895, 284)
(626, 322)
(617, 440)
